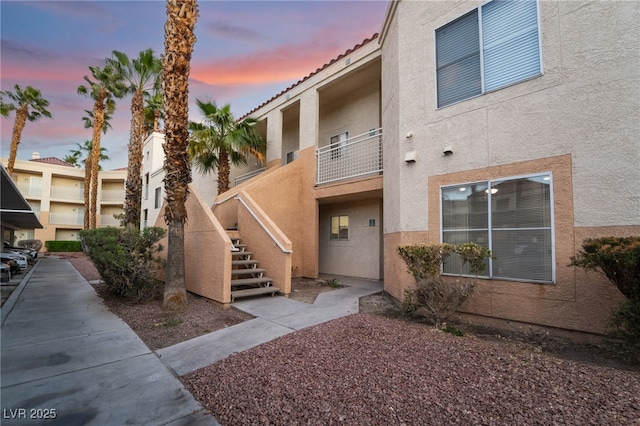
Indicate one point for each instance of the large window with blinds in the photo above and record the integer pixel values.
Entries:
(513, 217)
(493, 46)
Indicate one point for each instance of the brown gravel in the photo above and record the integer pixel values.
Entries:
(370, 370)
(378, 368)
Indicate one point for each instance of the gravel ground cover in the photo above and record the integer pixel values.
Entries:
(372, 370)
(382, 368)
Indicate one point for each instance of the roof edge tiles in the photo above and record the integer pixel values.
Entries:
(52, 160)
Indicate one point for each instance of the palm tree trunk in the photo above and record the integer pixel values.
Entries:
(179, 41)
(98, 123)
(87, 191)
(223, 171)
(21, 120)
(133, 195)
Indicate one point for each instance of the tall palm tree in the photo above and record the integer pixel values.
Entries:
(221, 140)
(179, 40)
(106, 85)
(141, 75)
(29, 105)
(88, 124)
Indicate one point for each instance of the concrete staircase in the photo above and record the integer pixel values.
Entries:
(246, 278)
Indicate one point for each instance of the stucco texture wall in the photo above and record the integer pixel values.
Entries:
(207, 251)
(286, 196)
(359, 255)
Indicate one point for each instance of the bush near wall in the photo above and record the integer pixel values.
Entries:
(63, 246)
(437, 297)
(618, 259)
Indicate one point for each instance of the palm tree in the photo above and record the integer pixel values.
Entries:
(141, 75)
(76, 155)
(221, 140)
(88, 124)
(106, 85)
(179, 39)
(29, 105)
(153, 112)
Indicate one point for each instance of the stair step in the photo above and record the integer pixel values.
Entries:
(254, 292)
(247, 271)
(243, 262)
(250, 281)
(241, 253)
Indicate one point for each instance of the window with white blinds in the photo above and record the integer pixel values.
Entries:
(513, 217)
(489, 48)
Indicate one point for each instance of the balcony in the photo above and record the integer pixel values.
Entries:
(66, 218)
(29, 190)
(72, 193)
(113, 195)
(109, 220)
(354, 157)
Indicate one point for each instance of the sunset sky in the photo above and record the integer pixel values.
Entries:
(247, 52)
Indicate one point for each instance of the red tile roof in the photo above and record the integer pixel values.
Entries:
(52, 160)
(348, 52)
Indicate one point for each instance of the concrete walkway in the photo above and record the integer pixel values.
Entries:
(64, 355)
(67, 357)
(275, 317)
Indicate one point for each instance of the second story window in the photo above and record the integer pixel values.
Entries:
(146, 186)
(491, 47)
(158, 198)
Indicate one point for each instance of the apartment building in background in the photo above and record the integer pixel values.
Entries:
(512, 124)
(55, 191)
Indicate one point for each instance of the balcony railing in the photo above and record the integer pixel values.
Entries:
(113, 195)
(28, 190)
(66, 218)
(109, 220)
(354, 157)
(68, 193)
(245, 177)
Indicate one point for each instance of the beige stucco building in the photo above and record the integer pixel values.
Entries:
(511, 124)
(55, 191)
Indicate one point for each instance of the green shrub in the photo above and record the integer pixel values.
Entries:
(440, 297)
(124, 257)
(63, 246)
(32, 244)
(618, 259)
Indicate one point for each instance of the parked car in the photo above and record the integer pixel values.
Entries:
(20, 258)
(11, 262)
(22, 250)
(5, 273)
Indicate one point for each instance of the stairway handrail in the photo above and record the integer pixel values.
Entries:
(273, 238)
(217, 203)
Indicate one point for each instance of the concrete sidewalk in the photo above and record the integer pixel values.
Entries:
(275, 317)
(67, 360)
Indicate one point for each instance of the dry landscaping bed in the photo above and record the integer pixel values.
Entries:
(381, 367)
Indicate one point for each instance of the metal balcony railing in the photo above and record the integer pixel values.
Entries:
(66, 218)
(245, 177)
(74, 193)
(116, 194)
(28, 190)
(357, 156)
